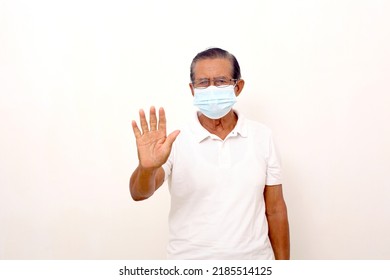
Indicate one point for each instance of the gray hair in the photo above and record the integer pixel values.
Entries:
(216, 53)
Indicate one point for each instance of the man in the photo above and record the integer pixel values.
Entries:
(223, 172)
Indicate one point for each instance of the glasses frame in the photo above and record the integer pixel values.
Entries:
(212, 82)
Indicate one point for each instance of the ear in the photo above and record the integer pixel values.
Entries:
(239, 86)
(192, 88)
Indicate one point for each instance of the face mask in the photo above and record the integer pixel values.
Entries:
(215, 102)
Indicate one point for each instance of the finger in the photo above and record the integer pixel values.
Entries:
(137, 132)
(144, 123)
(172, 137)
(162, 122)
(153, 118)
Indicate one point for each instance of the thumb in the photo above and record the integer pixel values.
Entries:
(172, 137)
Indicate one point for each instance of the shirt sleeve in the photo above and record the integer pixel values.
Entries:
(274, 166)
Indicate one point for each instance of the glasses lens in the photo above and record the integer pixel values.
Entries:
(202, 83)
(221, 82)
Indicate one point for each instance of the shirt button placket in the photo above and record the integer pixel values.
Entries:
(224, 154)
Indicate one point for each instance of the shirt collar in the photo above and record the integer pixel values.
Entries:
(201, 133)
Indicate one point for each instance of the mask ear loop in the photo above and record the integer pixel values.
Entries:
(235, 85)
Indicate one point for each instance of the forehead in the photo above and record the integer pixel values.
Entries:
(215, 67)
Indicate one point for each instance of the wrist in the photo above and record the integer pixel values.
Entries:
(147, 170)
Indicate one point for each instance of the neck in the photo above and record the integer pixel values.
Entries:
(220, 127)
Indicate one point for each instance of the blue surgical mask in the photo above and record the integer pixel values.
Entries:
(215, 102)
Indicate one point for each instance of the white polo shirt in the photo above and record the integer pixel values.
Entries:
(217, 203)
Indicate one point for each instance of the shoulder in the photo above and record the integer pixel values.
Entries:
(185, 137)
(256, 128)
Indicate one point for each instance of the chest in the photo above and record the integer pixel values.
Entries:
(218, 169)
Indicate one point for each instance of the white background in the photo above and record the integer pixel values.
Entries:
(73, 74)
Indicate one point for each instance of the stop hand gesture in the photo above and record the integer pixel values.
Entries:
(153, 144)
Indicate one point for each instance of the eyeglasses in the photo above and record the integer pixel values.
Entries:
(218, 82)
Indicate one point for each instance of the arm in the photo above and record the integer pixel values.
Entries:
(144, 182)
(276, 213)
(153, 148)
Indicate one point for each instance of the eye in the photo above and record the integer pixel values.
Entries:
(202, 83)
(221, 82)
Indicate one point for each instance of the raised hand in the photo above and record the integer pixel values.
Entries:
(153, 144)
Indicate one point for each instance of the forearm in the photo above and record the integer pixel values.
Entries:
(279, 234)
(143, 183)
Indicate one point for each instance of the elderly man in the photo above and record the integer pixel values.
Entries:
(223, 172)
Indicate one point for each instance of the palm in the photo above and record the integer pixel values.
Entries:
(151, 149)
(153, 144)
